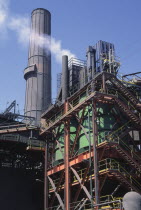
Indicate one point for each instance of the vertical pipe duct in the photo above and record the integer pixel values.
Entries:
(38, 72)
(65, 77)
(90, 63)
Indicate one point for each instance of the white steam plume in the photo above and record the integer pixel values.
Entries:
(55, 48)
(20, 25)
(3, 11)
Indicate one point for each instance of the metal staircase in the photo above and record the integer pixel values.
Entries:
(126, 101)
(127, 111)
(114, 168)
(123, 149)
(127, 108)
(124, 90)
(131, 183)
(131, 107)
(117, 170)
(130, 157)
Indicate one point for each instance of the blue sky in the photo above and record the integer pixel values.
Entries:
(77, 24)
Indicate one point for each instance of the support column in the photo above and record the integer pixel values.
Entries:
(103, 82)
(45, 179)
(66, 160)
(95, 143)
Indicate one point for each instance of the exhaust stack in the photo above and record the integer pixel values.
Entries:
(38, 72)
(65, 77)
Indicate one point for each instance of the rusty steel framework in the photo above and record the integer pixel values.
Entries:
(79, 181)
(86, 141)
(22, 154)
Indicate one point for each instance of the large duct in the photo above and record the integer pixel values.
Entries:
(90, 63)
(38, 72)
(65, 77)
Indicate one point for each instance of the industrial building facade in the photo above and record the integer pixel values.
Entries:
(92, 134)
(87, 145)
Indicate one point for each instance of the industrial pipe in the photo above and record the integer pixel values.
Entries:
(65, 77)
(38, 72)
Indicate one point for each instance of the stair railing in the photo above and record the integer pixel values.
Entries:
(114, 137)
(113, 165)
(119, 130)
(122, 98)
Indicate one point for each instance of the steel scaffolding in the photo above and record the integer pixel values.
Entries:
(101, 163)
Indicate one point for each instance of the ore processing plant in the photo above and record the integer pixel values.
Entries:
(84, 150)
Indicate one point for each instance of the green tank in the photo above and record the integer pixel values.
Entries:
(105, 123)
(58, 158)
(87, 124)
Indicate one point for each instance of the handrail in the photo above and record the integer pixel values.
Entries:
(80, 98)
(114, 137)
(105, 165)
(36, 143)
(114, 202)
(16, 126)
(72, 105)
(12, 126)
(120, 79)
(120, 96)
(23, 139)
(115, 166)
(127, 148)
(119, 129)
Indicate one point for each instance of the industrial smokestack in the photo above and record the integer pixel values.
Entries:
(65, 77)
(38, 72)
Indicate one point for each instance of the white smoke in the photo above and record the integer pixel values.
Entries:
(3, 17)
(55, 47)
(20, 25)
(3, 11)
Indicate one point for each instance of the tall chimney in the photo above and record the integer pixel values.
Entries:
(38, 72)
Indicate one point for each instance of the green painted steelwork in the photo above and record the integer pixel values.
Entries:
(59, 157)
(106, 123)
(105, 120)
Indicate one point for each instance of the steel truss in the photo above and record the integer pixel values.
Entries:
(103, 166)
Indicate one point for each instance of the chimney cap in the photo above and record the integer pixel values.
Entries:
(41, 9)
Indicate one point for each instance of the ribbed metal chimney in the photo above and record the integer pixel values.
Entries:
(38, 72)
